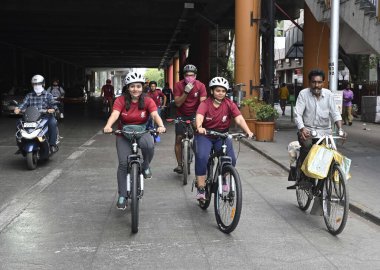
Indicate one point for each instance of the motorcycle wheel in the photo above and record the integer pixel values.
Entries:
(31, 160)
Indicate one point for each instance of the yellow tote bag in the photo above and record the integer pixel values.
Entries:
(317, 162)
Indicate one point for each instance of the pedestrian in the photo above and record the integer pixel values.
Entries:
(348, 96)
(188, 94)
(284, 96)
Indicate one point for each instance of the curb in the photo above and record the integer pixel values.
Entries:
(354, 208)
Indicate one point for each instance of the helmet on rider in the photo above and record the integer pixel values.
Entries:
(38, 79)
(38, 83)
(108, 81)
(190, 68)
(134, 77)
(219, 81)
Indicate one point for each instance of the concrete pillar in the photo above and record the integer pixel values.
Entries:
(316, 46)
(247, 43)
(170, 79)
(175, 69)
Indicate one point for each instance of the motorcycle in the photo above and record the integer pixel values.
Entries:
(59, 113)
(32, 137)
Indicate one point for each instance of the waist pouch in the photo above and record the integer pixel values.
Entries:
(131, 128)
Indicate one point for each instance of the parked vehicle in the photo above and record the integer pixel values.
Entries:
(11, 99)
(32, 137)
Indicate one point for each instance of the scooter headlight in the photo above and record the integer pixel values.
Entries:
(31, 135)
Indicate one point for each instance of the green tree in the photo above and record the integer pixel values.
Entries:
(153, 74)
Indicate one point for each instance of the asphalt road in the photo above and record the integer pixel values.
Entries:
(63, 215)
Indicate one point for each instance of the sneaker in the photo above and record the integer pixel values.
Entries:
(350, 123)
(178, 169)
(121, 203)
(147, 173)
(61, 115)
(201, 194)
(53, 149)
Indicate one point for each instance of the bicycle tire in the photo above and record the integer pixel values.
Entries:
(134, 198)
(189, 160)
(335, 190)
(185, 161)
(228, 200)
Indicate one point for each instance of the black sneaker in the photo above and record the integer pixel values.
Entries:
(178, 169)
(147, 173)
(121, 203)
(54, 149)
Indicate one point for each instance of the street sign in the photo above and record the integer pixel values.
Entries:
(338, 97)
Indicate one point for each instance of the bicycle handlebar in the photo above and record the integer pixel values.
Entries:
(176, 121)
(225, 135)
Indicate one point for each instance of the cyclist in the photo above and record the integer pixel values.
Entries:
(108, 92)
(132, 109)
(58, 93)
(43, 100)
(157, 96)
(188, 94)
(214, 114)
(314, 108)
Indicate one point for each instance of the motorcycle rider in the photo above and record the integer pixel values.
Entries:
(58, 93)
(42, 100)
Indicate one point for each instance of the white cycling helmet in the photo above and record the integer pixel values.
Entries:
(134, 77)
(219, 81)
(190, 68)
(38, 79)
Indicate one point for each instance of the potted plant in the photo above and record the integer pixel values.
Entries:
(251, 104)
(266, 115)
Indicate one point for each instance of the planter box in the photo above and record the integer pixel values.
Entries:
(264, 131)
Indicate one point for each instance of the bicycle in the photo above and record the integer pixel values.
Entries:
(186, 146)
(106, 107)
(332, 190)
(135, 179)
(227, 202)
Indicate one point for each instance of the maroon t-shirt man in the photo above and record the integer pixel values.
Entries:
(218, 119)
(189, 107)
(134, 116)
(108, 91)
(156, 95)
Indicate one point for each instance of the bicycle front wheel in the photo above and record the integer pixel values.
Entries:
(134, 197)
(228, 200)
(335, 200)
(185, 161)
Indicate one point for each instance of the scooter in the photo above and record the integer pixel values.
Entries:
(32, 137)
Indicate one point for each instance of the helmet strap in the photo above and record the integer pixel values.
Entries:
(217, 101)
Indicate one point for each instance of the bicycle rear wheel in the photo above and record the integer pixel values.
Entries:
(335, 200)
(134, 197)
(185, 161)
(228, 204)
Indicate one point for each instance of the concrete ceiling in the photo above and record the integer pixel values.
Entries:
(117, 33)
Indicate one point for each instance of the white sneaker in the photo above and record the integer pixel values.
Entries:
(61, 115)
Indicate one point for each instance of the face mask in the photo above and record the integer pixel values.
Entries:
(190, 79)
(38, 89)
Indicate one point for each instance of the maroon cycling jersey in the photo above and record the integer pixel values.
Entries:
(134, 116)
(157, 95)
(108, 91)
(190, 106)
(218, 118)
